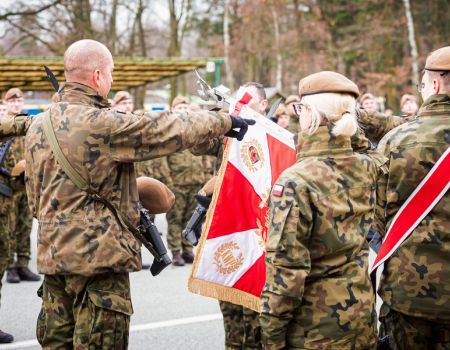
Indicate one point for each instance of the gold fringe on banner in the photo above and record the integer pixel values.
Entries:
(209, 289)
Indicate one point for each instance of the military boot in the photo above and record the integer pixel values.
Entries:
(26, 275)
(188, 257)
(12, 276)
(177, 259)
(5, 338)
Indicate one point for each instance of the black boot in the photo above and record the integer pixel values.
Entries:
(5, 338)
(26, 275)
(12, 276)
(188, 257)
(177, 260)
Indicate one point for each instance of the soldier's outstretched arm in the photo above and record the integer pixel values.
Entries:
(16, 126)
(375, 124)
(287, 260)
(208, 148)
(153, 135)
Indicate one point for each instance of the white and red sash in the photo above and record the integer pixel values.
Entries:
(424, 198)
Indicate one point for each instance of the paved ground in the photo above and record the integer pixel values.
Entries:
(166, 315)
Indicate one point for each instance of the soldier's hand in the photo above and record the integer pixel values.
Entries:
(241, 124)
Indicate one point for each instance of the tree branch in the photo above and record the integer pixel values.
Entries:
(5, 16)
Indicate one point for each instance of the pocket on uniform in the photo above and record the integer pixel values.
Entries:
(110, 320)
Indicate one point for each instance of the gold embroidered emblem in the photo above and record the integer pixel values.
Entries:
(228, 258)
(252, 155)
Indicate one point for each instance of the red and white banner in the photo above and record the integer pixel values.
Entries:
(230, 262)
(424, 198)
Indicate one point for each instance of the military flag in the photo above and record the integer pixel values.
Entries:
(230, 262)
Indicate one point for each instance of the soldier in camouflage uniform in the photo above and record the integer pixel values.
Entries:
(318, 294)
(293, 126)
(83, 251)
(21, 219)
(415, 285)
(188, 175)
(242, 330)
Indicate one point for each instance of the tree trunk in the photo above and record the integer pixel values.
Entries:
(174, 48)
(112, 37)
(279, 62)
(226, 45)
(412, 41)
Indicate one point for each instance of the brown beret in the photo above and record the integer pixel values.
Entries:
(281, 109)
(179, 100)
(120, 96)
(407, 97)
(366, 96)
(327, 81)
(208, 188)
(13, 93)
(439, 60)
(154, 196)
(18, 168)
(292, 99)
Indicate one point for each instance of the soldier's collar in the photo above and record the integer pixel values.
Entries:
(435, 104)
(81, 94)
(322, 142)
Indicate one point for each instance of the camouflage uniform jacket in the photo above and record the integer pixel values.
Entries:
(187, 169)
(76, 234)
(213, 148)
(375, 124)
(416, 279)
(318, 294)
(157, 169)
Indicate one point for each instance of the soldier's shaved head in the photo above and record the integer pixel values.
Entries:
(89, 62)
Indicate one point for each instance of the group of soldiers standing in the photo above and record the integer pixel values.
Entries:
(318, 293)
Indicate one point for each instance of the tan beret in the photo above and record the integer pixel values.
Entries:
(120, 96)
(281, 109)
(208, 188)
(292, 99)
(19, 168)
(366, 96)
(179, 100)
(439, 60)
(407, 97)
(156, 197)
(13, 93)
(327, 81)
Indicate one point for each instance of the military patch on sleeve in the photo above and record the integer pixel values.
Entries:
(278, 190)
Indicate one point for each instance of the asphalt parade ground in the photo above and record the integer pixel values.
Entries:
(166, 315)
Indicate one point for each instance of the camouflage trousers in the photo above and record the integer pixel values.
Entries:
(80, 312)
(242, 330)
(416, 333)
(21, 221)
(179, 215)
(5, 234)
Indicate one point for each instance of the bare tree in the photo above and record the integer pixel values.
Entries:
(412, 41)
(279, 64)
(226, 44)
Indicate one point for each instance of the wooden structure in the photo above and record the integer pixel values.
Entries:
(28, 73)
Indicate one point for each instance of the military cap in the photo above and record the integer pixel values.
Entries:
(281, 109)
(156, 197)
(407, 97)
(366, 96)
(327, 81)
(13, 93)
(291, 99)
(18, 169)
(439, 60)
(120, 96)
(179, 100)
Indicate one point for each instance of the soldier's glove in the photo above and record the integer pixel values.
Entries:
(241, 124)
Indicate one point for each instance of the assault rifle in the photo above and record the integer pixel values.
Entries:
(193, 229)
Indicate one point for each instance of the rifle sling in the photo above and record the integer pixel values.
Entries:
(83, 185)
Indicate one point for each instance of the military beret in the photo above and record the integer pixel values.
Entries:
(18, 168)
(366, 96)
(439, 60)
(120, 96)
(13, 93)
(291, 99)
(156, 197)
(281, 109)
(327, 81)
(179, 100)
(407, 97)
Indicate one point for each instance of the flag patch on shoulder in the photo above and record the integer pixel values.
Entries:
(278, 190)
